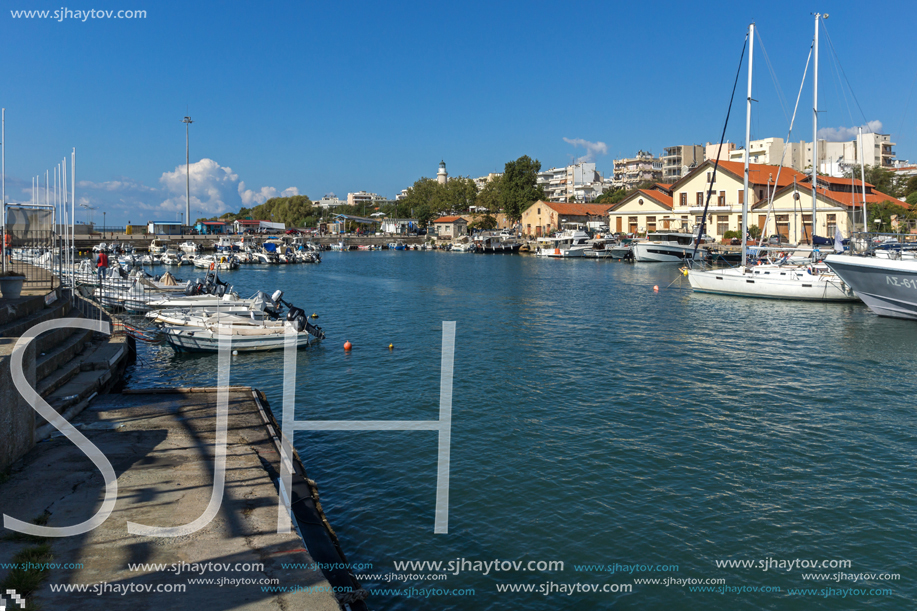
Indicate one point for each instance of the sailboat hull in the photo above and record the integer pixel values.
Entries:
(772, 282)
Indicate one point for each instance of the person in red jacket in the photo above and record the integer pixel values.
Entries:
(102, 265)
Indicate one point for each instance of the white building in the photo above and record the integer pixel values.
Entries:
(398, 226)
(402, 195)
(481, 181)
(364, 197)
(579, 181)
(770, 151)
(330, 200)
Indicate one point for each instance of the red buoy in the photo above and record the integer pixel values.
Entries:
(347, 345)
(656, 289)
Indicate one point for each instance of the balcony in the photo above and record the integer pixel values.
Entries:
(711, 209)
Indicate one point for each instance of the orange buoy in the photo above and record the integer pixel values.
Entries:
(347, 345)
(656, 288)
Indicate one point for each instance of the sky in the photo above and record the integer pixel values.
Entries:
(311, 98)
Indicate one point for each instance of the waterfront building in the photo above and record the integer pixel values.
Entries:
(689, 194)
(241, 225)
(677, 161)
(449, 227)
(579, 181)
(839, 205)
(211, 227)
(645, 210)
(631, 171)
(398, 226)
(542, 218)
(165, 228)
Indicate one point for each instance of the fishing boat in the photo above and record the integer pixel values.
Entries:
(490, 243)
(247, 337)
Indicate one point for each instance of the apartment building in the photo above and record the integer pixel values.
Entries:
(364, 197)
(580, 181)
(631, 171)
(773, 151)
(677, 161)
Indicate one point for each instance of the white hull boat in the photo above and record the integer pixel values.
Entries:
(802, 283)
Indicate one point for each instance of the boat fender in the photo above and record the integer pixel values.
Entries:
(212, 265)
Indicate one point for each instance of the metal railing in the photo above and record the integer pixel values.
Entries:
(867, 243)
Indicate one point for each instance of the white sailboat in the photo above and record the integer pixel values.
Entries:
(808, 282)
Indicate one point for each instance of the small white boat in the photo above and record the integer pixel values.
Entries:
(172, 257)
(190, 248)
(667, 247)
(266, 335)
(158, 247)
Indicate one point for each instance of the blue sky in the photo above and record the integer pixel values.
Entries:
(316, 97)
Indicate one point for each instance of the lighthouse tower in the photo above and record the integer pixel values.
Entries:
(442, 176)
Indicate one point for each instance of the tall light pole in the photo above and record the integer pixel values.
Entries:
(187, 121)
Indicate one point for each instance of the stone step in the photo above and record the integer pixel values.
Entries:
(21, 316)
(101, 355)
(47, 362)
(76, 390)
(96, 375)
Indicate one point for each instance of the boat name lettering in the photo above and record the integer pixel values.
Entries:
(910, 283)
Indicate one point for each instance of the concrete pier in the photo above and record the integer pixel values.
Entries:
(161, 444)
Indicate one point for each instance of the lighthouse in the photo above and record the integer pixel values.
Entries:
(442, 176)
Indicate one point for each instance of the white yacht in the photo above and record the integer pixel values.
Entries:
(158, 247)
(190, 248)
(667, 247)
(571, 242)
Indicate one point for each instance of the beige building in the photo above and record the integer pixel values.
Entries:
(449, 227)
(689, 195)
(711, 150)
(839, 205)
(631, 171)
(542, 218)
(647, 210)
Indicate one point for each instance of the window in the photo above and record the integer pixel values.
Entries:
(722, 224)
(831, 228)
(539, 211)
(700, 198)
(760, 194)
(632, 224)
(741, 196)
(683, 199)
(721, 200)
(651, 223)
(709, 176)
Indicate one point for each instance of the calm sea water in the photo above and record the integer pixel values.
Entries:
(598, 422)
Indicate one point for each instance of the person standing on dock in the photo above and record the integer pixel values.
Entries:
(102, 265)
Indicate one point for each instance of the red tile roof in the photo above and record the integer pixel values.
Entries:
(449, 219)
(759, 173)
(839, 181)
(667, 187)
(852, 200)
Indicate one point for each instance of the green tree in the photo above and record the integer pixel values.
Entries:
(911, 185)
(520, 186)
(611, 197)
(884, 212)
(490, 196)
(881, 179)
(459, 194)
(754, 232)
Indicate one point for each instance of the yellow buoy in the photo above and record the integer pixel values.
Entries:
(391, 346)
(314, 315)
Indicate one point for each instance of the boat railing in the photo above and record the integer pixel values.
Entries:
(866, 243)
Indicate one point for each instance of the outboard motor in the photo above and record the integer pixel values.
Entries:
(297, 317)
(189, 288)
(278, 294)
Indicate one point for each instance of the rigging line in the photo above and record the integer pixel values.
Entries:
(831, 44)
(770, 203)
(906, 105)
(719, 151)
(839, 87)
(767, 60)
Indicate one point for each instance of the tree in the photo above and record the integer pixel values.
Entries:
(754, 231)
(881, 179)
(884, 212)
(459, 194)
(520, 186)
(484, 221)
(489, 197)
(611, 197)
(910, 186)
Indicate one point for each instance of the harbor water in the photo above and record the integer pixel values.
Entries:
(597, 422)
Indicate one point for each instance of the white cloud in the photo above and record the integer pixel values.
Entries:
(846, 134)
(253, 198)
(592, 148)
(213, 188)
(123, 184)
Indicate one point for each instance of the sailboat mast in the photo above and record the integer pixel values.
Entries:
(863, 180)
(751, 53)
(815, 131)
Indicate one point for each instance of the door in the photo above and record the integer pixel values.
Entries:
(806, 228)
(619, 224)
(783, 226)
